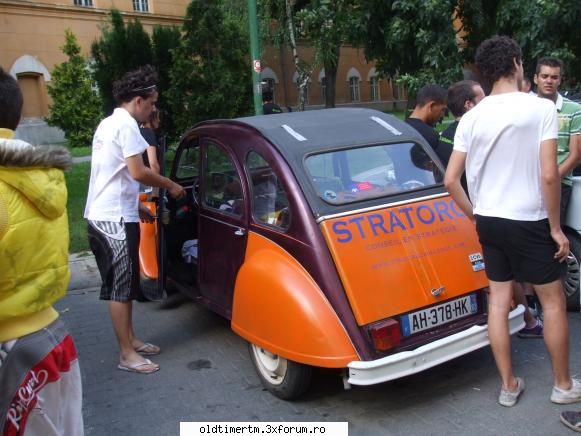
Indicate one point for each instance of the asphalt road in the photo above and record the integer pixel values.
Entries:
(206, 375)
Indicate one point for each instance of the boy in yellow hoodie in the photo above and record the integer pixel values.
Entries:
(40, 382)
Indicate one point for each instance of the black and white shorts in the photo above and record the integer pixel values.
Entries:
(518, 250)
(116, 250)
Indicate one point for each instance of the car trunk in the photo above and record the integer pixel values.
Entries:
(404, 257)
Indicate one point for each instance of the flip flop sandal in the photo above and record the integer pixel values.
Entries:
(139, 368)
(572, 420)
(148, 349)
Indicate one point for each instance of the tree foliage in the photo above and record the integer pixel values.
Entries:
(164, 41)
(121, 48)
(210, 74)
(542, 28)
(325, 25)
(414, 40)
(75, 107)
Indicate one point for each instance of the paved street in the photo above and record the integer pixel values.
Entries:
(206, 375)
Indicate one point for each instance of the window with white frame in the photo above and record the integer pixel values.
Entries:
(83, 2)
(354, 88)
(374, 87)
(324, 89)
(141, 5)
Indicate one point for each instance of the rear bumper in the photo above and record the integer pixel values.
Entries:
(429, 355)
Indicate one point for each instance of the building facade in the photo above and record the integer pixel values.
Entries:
(32, 32)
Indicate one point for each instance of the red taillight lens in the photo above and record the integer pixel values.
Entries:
(385, 334)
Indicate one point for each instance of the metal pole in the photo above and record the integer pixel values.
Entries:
(255, 55)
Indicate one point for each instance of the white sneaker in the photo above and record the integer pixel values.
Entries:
(562, 396)
(509, 398)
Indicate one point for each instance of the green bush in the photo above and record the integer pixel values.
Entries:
(75, 106)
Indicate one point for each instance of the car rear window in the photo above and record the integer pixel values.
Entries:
(350, 175)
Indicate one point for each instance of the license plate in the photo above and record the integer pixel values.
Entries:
(438, 315)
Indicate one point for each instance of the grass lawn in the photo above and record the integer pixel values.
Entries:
(80, 151)
(77, 184)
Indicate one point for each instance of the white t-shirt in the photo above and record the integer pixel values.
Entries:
(502, 137)
(113, 193)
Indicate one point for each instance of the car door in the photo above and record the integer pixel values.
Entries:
(223, 225)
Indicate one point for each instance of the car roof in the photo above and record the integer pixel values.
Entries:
(298, 134)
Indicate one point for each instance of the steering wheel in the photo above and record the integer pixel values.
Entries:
(412, 184)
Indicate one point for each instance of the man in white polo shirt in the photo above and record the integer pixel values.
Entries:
(113, 209)
(507, 144)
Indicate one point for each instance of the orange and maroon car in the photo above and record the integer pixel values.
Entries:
(328, 240)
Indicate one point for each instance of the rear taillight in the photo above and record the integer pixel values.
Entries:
(385, 334)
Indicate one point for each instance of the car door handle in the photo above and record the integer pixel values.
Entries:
(240, 232)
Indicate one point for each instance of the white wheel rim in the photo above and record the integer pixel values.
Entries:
(573, 275)
(272, 367)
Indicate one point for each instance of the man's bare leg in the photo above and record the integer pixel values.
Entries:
(556, 332)
(499, 301)
(121, 317)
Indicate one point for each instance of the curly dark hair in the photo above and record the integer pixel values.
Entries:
(11, 101)
(458, 94)
(137, 83)
(494, 58)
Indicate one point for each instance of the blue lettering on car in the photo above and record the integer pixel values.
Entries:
(402, 219)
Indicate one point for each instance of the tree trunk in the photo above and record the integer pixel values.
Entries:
(331, 78)
(303, 70)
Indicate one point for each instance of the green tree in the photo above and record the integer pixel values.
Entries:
(327, 25)
(542, 28)
(75, 107)
(164, 40)
(120, 49)
(414, 40)
(210, 74)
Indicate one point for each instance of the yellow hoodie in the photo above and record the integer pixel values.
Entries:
(34, 236)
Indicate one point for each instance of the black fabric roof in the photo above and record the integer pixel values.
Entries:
(328, 128)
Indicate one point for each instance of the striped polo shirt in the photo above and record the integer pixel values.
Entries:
(569, 114)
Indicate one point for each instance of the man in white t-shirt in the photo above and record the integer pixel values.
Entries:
(507, 145)
(113, 209)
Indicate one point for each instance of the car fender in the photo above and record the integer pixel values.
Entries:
(278, 306)
(148, 245)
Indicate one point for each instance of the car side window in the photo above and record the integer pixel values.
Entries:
(269, 199)
(222, 188)
(188, 163)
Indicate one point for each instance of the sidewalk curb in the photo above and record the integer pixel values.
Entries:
(84, 271)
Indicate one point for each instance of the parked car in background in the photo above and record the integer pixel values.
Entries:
(327, 239)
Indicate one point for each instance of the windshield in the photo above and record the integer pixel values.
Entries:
(346, 176)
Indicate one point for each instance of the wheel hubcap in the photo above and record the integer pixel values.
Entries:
(272, 367)
(573, 275)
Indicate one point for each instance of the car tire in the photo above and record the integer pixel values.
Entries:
(573, 277)
(283, 378)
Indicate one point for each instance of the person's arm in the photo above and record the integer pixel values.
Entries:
(456, 167)
(574, 156)
(152, 158)
(551, 187)
(146, 176)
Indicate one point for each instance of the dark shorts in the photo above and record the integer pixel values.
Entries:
(518, 250)
(565, 199)
(116, 250)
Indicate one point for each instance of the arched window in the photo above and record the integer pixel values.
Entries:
(296, 80)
